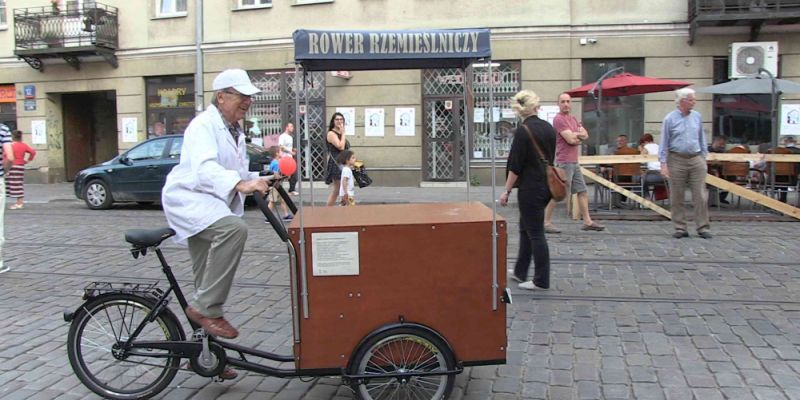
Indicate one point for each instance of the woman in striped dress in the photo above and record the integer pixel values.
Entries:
(16, 176)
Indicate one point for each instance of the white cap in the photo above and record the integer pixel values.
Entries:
(237, 79)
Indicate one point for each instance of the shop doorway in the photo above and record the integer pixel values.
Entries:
(444, 128)
(90, 129)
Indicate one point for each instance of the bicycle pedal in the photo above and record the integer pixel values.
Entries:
(199, 334)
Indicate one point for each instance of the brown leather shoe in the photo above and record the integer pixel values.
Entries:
(226, 374)
(214, 326)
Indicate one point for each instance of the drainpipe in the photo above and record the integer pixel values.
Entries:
(198, 74)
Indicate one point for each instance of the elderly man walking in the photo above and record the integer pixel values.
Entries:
(682, 155)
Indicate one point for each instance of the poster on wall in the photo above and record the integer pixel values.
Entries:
(349, 119)
(404, 120)
(39, 131)
(129, 128)
(479, 115)
(373, 121)
(548, 113)
(790, 120)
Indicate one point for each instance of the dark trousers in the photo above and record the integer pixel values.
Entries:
(532, 242)
(293, 181)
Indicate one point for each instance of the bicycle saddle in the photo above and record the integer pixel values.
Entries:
(148, 237)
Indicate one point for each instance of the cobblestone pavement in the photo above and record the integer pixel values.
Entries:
(632, 314)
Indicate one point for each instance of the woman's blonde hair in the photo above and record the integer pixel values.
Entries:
(525, 103)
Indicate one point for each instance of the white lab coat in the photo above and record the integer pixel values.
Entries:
(200, 189)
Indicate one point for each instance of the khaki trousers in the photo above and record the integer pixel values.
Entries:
(688, 172)
(215, 254)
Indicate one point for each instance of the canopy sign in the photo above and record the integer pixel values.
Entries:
(373, 50)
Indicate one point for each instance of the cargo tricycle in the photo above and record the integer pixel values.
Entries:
(395, 299)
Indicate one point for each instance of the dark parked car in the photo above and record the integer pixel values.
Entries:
(139, 174)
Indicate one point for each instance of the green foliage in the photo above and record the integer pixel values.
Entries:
(474, 181)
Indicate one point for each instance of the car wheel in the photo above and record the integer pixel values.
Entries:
(97, 195)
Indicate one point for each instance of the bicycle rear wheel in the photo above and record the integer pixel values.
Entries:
(104, 323)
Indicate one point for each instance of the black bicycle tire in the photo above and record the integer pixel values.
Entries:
(434, 339)
(79, 322)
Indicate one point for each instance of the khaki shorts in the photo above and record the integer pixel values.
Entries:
(574, 177)
(274, 196)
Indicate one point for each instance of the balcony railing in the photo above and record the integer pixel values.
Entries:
(752, 13)
(740, 8)
(50, 32)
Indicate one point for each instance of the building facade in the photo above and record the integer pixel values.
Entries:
(113, 70)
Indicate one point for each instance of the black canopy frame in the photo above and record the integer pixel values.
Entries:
(390, 50)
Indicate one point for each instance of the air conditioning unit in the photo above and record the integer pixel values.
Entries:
(747, 57)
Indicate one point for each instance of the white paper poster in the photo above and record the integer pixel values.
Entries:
(547, 113)
(790, 119)
(404, 120)
(349, 119)
(39, 131)
(129, 134)
(479, 115)
(334, 253)
(373, 121)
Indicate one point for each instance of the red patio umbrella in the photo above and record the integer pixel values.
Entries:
(627, 84)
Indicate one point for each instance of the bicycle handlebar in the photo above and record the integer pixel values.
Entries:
(273, 220)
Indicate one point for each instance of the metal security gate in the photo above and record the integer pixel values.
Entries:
(274, 107)
(443, 150)
(505, 82)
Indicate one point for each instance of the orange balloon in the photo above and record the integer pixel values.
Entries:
(287, 166)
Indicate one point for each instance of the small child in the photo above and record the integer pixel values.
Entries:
(274, 196)
(346, 188)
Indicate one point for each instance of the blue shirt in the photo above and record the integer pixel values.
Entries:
(682, 134)
(273, 165)
(5, 137)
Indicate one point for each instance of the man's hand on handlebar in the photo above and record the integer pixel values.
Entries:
(260, 185)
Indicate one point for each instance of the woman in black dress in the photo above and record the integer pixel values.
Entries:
(335, 143)
(526, 166)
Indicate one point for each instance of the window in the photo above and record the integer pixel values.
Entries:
(303, 2)
(170, 101)
(170, 7)
(254, 3)
(175, 149)
(148, 151)
(742, 118)
(3, 23)
(623, 115)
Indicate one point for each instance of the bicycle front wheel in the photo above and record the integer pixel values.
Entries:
(97, 331)
(406, 350)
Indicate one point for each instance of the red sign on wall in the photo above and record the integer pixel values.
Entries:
(8, 94)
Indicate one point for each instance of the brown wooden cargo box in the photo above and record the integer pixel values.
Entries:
(373, 265)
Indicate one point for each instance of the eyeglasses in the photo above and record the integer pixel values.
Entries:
(244, 96)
